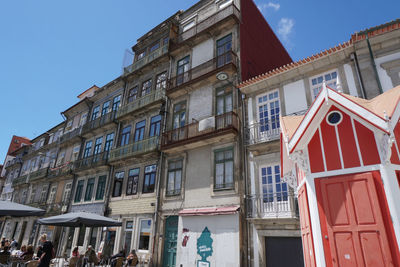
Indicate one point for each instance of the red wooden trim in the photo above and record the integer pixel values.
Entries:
(315, 153)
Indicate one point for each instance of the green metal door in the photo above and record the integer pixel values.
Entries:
(171, 235)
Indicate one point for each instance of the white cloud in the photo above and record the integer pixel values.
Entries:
(265, 6)
(285, 28)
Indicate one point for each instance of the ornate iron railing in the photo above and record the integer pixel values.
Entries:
(141, 102)
(143, 146)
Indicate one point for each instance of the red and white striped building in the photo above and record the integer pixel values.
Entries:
(344, 154)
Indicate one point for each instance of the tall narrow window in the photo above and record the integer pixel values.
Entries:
(93, 236)
(116, 103)
(149, 179)
(43, 193)
(273, 188)
(133, 181)
(139, 131)
(224, 100)
(79, 189)
(223, 169)
(161, 81)
(118, 182)
(33, 195)
(101, 185)
(97, 145)
(224, 47)
(155, 125)
(179, 115)
(95, 113)
(144, 234)
(182, 70)
(52, 195)
(125, 134)
(89, 189)
(109, 142)
(154, 47)
(174, 178)
(141, 55)
(106, 108)
(83, 119)
(331, 79)
(146, 87)
(128, 236)
(67, 193)
(133, 94)
(268, 112)
(88, 149)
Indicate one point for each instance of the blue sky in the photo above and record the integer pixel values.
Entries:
(50, 51)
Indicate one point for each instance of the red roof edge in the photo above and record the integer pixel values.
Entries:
(210, 211)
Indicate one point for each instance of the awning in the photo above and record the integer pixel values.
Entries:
(210, 211)
(12, 209)
(79, 219)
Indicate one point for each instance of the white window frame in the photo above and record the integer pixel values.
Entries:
(138, 235)
(67, 192)
(319, 85)
(43, 193)
(52, 194)
(263, 133)
(132, 231)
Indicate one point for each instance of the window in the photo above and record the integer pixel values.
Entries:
(139, 131)
(97, 146)
(89, 189)
(61, 158)
(165, 40)
(155, 125)
(181, 70)
(224, 47)
(101, 185)
(109, 142)
(141, 55)
(32, 196)
(79, 189)
(68, 127)
(67, 193)
(268, 112)
(331, 79)
(88, 148)
(161, 81)
(83, 119)
(106, 108)
(154, 47)
(52, 194)
(43, 194)
(116, 103)
(149, 179)
(125, 134)
(128, 235)
(144, 234)
(118, 182)
(179, 115)
(224, 100)
(95, 113)
(188, 25)
(273, 188)
(75, 153)
(81, 235)
(174, 177)
(146, 87)
(133, 181)
(24, 195)
(133, 94)
(223, 169)
(93, 236)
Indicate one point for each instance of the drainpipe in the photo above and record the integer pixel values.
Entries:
(373, 64)
(353, 56)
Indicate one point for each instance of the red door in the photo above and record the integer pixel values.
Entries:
(351, 220)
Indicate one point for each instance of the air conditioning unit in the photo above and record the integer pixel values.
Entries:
(207, 123)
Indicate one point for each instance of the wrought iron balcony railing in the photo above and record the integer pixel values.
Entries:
(61, 170)
(272, 205)
(91, 161)
(199, 72)
(140, 147)
(20, 180)
(201, 129)
(36, 175)
(146, 60)
(101, 121)
(262, 132)
(70, 135)
(206, 24)
(140, 102)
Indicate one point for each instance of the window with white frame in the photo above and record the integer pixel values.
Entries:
(268, 107)
(144, 234)
(83, 119)
(331, 79)
(223, 169)
(32, 196)
(43, 193)
(128, 235)
(52, 194)
(67, 192)
(75, 153)
(174, 178)
(273, 188)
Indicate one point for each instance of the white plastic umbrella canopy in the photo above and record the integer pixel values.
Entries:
(13, 209)
(79, 219)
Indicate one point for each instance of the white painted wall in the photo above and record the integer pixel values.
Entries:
(202, 52)
(295, 97)
(386, 82)
(224, 231)
(350, 80)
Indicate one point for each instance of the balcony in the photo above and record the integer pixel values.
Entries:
(134, 149)
(202, 71)
(20, 180)
(99, 122)
(273, 206)
(60, 171)
(208, 130)
(230, 11)
(140, 103)
(70, 136)
(262, 132)
(91, 162)
(36, 175)
(146, 60)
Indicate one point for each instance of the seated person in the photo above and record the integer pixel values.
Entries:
(114, 257)
(21, 251)
(132, 258)
(75, 252)
(28, 254)
(90, 255)
(5, 255)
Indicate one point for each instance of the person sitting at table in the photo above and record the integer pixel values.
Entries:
(132, 258)
(114, 257)
(28, 254)
(21, 251)
(75, 252)
(90, 256)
